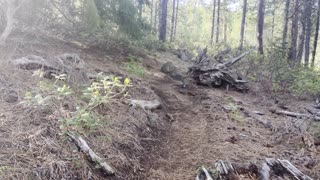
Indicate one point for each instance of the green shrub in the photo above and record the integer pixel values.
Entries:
(101, 92)
(133, 67)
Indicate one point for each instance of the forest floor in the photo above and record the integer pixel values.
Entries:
(205, 124)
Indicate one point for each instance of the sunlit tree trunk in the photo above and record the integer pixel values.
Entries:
(176, 21)
(294, 34)
(218, 22)
(159, 16)
(302, 34)
(213, 20)
(273, 18)
(285, 26)
(156, 13)
(225, 30)
(151, 13)
(163, 22)
(315, 43)
(243, 23)
(308, 32)
(260, 25)
(172, 20)
(10, 10)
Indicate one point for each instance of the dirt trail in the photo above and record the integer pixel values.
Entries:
(204, 132)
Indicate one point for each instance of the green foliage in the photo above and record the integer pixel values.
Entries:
(133, 67)
(91, 16)
(81, 118)
(306, 82)
(124, 13)
(105, 90)
(284, 77)
(101, 92)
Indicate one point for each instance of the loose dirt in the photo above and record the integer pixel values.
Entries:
(202, 125)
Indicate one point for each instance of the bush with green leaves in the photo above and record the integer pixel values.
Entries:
(133, 67)
(104, 90)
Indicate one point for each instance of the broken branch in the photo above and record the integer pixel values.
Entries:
(92, 156)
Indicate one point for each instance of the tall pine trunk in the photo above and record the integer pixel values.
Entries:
(261, 25)
(163, 22)
(308, 33)
(302, 34)
(156, 13)
(285, 26)
(243, 23)
(176, 21)
(151, 14)
(172, 20)
(294, 34)
(159, 16)
(273, 18)
(213, 20)
(218, 22)
(315, 43)
(225, 30)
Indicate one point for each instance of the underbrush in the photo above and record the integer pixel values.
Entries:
(133, 67)
(84, 109)
(274, 73)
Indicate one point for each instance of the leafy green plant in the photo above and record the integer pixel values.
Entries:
(105, 90)
(133, 67)
(81, 118)
(101, 92)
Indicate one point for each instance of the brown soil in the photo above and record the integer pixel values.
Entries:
(201, 131)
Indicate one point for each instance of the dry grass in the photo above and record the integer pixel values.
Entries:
(34, 147)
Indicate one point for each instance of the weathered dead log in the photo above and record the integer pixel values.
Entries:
(236, 59)
(294, 114)
(224, 168)
(33, 62)
(145, 105)
(271, 167)
(265, 172)
(217, 74)
(92, 156)
(204, 174)
(286, 168)
(221, 55)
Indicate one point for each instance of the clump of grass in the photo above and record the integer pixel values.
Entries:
(133, 67)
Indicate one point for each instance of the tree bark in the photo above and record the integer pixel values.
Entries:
(260, 25)
(302, 34)
(176, 21)
(140, 8)
(294, 34)
(285, 26)
(10, 11)
(273, 18)
(225, 30)
(243, 23)
(163, 22)
(159, 16)
(308, 32)
(218, 22)
(315, 43)
(172, 19)
(156, 13)
(151, 13)
(213, 20)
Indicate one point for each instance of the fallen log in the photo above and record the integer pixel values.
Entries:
(294, 114)
(206, 72)
(270, 168)
(284, 167)
(145, 105)
(204, 174)
(92, 156)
